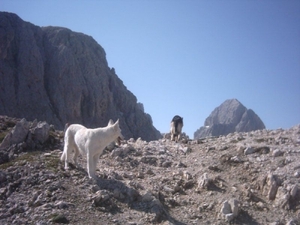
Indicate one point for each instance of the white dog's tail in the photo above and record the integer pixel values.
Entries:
(66, 143)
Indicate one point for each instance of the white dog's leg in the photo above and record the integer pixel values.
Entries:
(90, 166)
(76, 153)
(96, 159)
(67, 165)
(67, 160)
(65, 156)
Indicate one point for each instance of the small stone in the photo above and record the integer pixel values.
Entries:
(177, 188)
(161, 151)
(62, 205)
(260, 205)
(294, 190)
(116, 152)
(249, 150)
(229, 209)
(297, 174)
(166, 164)
(60, 219)
(186, 150)
(189, 184)
(149, 172)
(204, 181)
(272, 191)
(187, 175)
(229, 217)
(140, 175)
(168, 189)
(277, 153)
(210, 148)
(234, 206)
(222, 148)
(236, 159)
(226, 208)
(292, 222)
(147, 197)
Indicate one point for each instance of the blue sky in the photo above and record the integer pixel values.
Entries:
(186, 57)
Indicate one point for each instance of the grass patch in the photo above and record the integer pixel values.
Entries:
(3, 134)
(22, 159)
(6, 165)
(52, 163)
(29, 156)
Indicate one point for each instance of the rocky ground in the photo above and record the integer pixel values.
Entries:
(241, 178)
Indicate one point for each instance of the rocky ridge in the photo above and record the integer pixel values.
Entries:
(231, 116)
(61, 76)
(241, 178)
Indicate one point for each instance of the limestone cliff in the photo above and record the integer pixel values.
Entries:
(57, 75)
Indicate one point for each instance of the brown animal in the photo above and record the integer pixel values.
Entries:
(176, 127)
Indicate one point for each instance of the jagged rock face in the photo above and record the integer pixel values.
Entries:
(231, 116)
(60, 76)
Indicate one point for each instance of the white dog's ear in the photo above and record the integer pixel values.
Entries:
(110, 122)
(116, 123)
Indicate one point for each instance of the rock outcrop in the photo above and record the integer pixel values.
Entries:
(231, 116)
(25, 136)
(57, 75)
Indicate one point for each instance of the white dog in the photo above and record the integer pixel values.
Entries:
(90, 142)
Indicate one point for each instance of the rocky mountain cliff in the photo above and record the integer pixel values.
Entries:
(57, 75)
(231, 116)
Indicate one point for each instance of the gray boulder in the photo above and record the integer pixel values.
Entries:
(17, 135)
(56, 75)
(231, 116)
(41, 132)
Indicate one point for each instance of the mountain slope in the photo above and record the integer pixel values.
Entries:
(241, 178)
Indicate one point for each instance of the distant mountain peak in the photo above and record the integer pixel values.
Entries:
(231, 116)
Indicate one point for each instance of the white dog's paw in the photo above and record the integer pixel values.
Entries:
(67, 168)
(92, 176)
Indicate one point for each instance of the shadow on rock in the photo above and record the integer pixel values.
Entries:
(111, 190)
